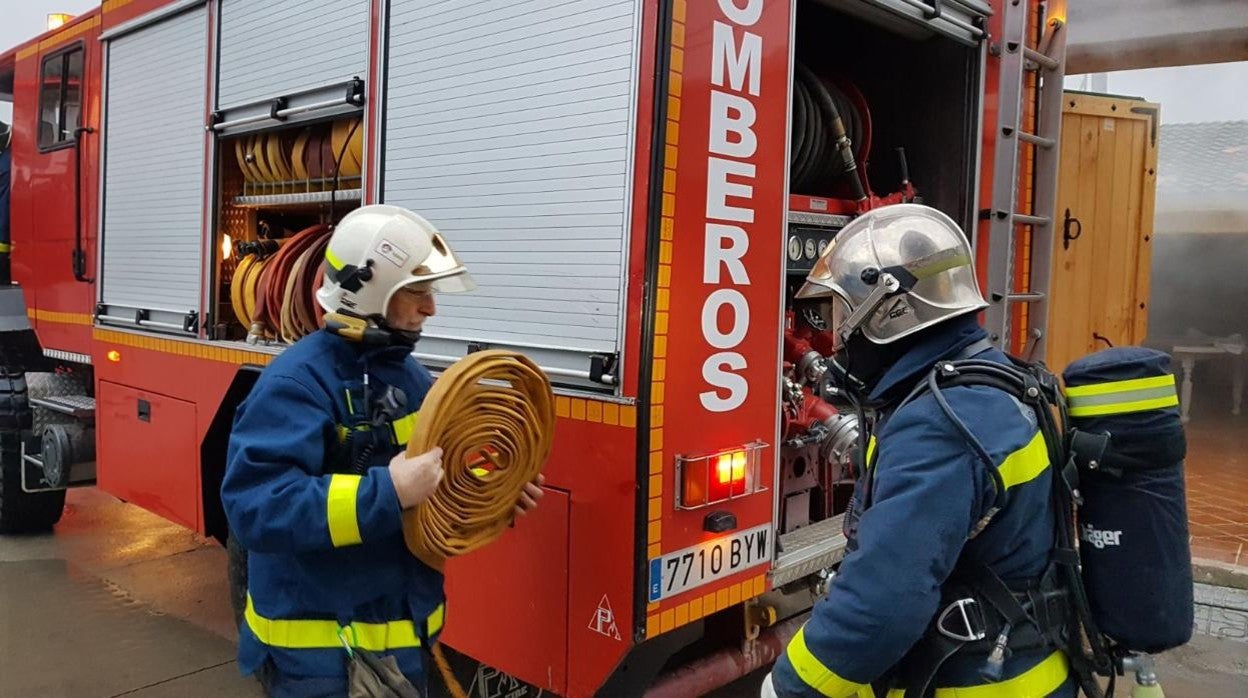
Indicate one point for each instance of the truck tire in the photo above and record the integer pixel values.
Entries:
(237, 573)
(20, 511)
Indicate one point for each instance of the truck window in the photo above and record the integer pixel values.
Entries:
(60, 98)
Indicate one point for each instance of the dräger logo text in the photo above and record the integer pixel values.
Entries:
(1100, 539)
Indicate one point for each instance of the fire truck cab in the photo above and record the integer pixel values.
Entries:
(639, 188)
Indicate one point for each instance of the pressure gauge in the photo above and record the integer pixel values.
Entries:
(795, 248)
(823, 247)
(810, 248)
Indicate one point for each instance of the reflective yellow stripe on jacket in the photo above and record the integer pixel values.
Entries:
(1021, 466)
(814, 673)
(403, 428)
(1122, 397)
(323, 634)
(340, 511)
(1037, 682)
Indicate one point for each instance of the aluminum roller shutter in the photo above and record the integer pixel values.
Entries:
(154, 169)
(277, 48)
(509, 125)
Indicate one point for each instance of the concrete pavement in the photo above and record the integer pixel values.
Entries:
(119, 602)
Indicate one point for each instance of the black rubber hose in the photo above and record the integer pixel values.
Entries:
(811, 131)
(842, 149)
(799, 128)
(822, 140)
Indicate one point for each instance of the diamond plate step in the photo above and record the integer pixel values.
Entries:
(79, 406)
(808, 550)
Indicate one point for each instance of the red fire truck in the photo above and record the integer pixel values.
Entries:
(638, 186)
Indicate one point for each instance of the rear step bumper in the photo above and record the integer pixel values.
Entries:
(807, 550)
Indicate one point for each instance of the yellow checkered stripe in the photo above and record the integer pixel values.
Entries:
(196, 350)
(1122, 397)
(59, 317)
(658, 622)
(301, 634)
(596, 411)
(658, 377)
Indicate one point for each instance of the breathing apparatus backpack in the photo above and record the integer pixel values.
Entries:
(1121, 560)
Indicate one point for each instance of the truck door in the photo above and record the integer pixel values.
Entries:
(63, 191)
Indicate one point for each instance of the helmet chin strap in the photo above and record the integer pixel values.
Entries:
(373, 331)
(403, 338)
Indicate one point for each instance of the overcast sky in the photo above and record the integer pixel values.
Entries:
(1213, 92)
(23, 19)
(1193, 93)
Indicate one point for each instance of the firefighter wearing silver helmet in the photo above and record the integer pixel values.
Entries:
(317, 480)
(890, 274)
(929, 518)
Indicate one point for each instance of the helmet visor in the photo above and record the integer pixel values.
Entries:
(834, 311)
(819, 282)
(443, 268)
(458, 283)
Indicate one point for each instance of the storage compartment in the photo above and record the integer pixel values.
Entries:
(530, 620)
(511, 127)
(908, 101)
(149, 455)
(153, 176)
(278, 192)
(891, 90)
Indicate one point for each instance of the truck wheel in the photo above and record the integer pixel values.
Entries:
(20, 511)
(237, 572)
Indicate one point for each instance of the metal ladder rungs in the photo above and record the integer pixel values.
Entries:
(1011, 297)
(1040, 59)
(1025, 297)
(1036, 140)
(1025, 219)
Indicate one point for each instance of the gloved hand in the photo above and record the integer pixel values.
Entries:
(767, 690)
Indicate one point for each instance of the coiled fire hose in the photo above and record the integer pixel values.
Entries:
(493, 414)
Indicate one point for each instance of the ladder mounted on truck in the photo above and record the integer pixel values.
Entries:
(1007, 213)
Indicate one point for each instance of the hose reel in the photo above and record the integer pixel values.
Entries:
(831, 134)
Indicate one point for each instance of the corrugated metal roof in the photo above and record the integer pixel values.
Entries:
(1203, 157)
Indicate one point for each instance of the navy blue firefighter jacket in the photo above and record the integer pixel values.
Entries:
(929, 493)
(327, 563)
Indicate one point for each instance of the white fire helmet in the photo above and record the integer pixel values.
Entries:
(378, 249)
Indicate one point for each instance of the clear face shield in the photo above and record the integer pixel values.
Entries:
(834, 311)
(443, 270)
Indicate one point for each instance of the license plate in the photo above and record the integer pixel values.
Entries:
(677, 572)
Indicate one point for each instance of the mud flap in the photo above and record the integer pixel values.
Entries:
(19, 347)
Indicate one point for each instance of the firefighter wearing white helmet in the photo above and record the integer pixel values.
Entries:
(942, 517)
(380, 251)
(317, 480)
